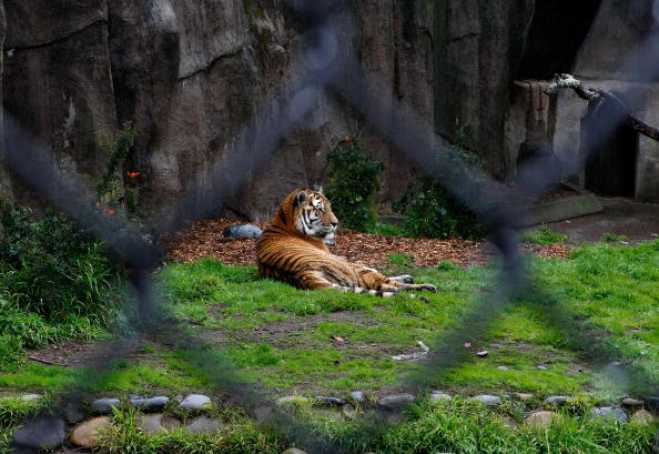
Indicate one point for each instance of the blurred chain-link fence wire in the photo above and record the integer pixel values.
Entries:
(329, 67)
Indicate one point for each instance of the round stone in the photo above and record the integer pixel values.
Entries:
(643, 417)
(439, 396)
(104, 406)
(540, 419)
(86, 435)
(396, 401)
(242, 231)
(524, 397)
(488, 400)
(358, 396)
(556, 400)
(152, 404)
(157, 423)
(609, 412)
(204, 425)
(631, 402)
(195, 402)
(45, 432)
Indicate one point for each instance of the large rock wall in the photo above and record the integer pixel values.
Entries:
(190, 75)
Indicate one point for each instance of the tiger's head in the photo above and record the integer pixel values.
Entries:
(309, 213)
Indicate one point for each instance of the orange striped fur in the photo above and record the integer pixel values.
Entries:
(293, 249)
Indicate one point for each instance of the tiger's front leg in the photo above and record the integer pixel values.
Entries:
(382, 285)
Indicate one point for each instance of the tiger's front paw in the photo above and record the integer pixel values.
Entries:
(403, 279)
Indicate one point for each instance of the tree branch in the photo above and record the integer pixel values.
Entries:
(563, 81)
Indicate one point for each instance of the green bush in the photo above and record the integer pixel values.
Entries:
(50, 268)
(353, 182)
(430, 211)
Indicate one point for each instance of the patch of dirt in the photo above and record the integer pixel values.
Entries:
(205, 239)
(89, 354)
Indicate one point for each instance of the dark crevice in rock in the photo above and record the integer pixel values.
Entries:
(213, 62)
(63, 38)
(463, 37)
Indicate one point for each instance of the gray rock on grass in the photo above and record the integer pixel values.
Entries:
(104, 406)
(45, 432)
(396, 401)
(616, 413)
(556, 400)
(204, 425)
(196, 402)
(150, 404)
(488, 400)
(358, 396)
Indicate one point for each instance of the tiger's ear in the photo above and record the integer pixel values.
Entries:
(300, 198)
(318, 188)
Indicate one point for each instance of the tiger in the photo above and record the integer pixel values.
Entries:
(294, 249)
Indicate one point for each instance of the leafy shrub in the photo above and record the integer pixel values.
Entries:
(11, 352)
(353, 182)
(430, 211)
(51, 268)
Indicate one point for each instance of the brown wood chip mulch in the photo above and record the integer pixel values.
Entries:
(204, 239)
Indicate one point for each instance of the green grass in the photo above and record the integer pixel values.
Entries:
(614, 289)
(285, 339)
(544, 236)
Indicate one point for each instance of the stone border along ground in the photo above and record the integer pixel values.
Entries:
(82, 425)
(327, 67)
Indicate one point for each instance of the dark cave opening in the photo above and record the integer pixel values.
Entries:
(612, 155)
(557, 32)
